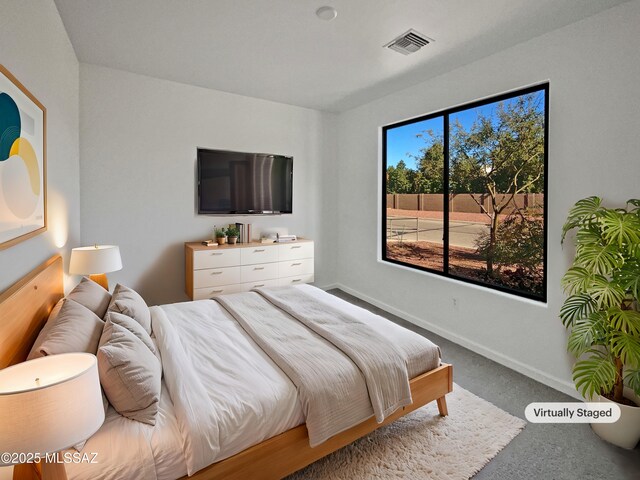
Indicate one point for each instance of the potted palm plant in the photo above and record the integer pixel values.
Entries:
(601, 311)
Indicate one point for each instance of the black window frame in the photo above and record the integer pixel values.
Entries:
(445, 114)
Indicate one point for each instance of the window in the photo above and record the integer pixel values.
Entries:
(464, 192)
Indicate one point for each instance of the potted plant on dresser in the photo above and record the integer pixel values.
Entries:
(601, 311)
(221, 236)
(232, 235)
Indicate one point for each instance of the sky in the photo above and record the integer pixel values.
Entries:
(402, 141)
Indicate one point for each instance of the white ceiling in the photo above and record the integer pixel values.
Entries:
(279, 50)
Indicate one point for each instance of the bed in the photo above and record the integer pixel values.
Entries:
(230, 371)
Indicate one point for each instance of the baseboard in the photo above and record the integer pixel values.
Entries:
(531, 372)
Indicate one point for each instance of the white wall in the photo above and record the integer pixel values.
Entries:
(36, 50)
(138, 145)
(593, 68)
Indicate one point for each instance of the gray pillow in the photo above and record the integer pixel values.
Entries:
(128, 302)
(74, 329)
(134, 327)
(92, 296)
(129, 373)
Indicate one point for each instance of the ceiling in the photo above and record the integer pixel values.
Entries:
(279, 50)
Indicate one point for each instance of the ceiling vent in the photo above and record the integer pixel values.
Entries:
(409, 42)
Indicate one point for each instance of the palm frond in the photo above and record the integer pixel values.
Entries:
(583, 210)
(587, 332)
(594, 375)
(606, 294)
(632, 378)
(620, 228)
(627, 347)
(577, 280)
(627, 321)
(576, 307)
(628, 277)
(590, 235)
(600, 259)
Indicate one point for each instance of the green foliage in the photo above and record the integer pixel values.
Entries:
(519, 241)
(220, 232)
(233, 232)
(587, 332)
(595, 375)
(575, 308)
(603, 287)
(501, 153)
(518, 251)
(633, 379)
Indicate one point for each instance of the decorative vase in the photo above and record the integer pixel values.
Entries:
(233, 240)
(625, 432)
(221, 240)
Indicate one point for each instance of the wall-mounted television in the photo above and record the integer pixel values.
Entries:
(244, 183)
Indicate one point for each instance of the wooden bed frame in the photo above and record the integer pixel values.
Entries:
(24, 309)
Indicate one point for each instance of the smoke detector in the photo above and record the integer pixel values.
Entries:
(409, 42)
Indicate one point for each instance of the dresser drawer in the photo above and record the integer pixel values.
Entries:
(259, 284)
(262, 271)
(296, 280)
(253, 255)
(210, 292)
(294, 251)
(214, 277)
(295, 267)
(215, 258)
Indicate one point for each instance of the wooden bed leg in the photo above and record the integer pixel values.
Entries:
(442, 406)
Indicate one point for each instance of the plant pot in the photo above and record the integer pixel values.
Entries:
(232, 240)
(625, 432)
(221, 240)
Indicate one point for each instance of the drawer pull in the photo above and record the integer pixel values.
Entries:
(297, 264)
(258, 250)
(258, 268)
(217, 253)
(216, 273)
(217, 291)
(296, 280)
(258, 285)
(296, 246)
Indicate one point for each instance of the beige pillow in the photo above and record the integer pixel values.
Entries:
(74, 329)
(134, 327)
(129, 373)
(92, 296)
(128, 302)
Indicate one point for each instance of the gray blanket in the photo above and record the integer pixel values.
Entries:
(344, 371)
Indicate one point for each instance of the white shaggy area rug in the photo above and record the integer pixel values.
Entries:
(424, 445)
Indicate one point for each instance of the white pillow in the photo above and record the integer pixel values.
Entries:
(91, 295)
(74, 329)
(128, 302)
(130, 374)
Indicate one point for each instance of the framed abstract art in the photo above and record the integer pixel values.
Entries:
(23, 148)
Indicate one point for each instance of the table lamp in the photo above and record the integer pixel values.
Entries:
(95, 261)
(49, 404)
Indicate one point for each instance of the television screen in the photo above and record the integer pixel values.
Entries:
(242, 183)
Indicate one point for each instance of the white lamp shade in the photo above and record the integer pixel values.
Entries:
(50, 403)
(95, 260)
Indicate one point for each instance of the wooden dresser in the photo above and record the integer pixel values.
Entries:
(212, 271)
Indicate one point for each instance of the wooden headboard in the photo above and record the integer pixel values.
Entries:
(25, 307)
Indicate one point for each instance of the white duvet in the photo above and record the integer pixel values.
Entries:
(221, 394)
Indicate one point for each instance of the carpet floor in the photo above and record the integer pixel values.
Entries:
(424, 445)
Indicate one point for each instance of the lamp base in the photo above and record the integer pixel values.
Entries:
(53, 471)
(100, 279)
(40, 471)
(27, 471)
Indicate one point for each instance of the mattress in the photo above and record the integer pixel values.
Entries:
(237, 397)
